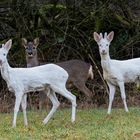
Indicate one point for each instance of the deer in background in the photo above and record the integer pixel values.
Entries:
(32, 61)
(79, 71)
(116, 72)
(49, 78)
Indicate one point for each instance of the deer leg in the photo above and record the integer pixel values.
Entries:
(64, 92)
(55, 103)
(43, 100)
(47, 103)
(82, 87)
(111, 96)
(40, 102)
(122, 89)
(16, 108)
(24, 106)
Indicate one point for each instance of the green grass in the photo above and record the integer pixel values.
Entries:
(91, 124)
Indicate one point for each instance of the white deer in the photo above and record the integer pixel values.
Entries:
(50, 78)
(116, 72)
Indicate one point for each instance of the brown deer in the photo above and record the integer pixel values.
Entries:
(32, 61)
(79, 71)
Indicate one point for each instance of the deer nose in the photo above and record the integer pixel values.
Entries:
(103, 51)
(30, 53)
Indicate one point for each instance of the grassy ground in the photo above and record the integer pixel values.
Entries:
(92, 124)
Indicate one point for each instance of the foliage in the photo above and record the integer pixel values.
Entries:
(69, 25)
(90, 124)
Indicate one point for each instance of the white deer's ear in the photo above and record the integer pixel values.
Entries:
(36, 41)
(24, 42)
(8, 45)
(110, 36)
(97, 37)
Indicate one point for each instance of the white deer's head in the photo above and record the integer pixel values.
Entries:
(4, 51)
(103, 42)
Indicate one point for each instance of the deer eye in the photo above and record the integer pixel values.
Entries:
(4, 54)
(100, 45)
(33, 47)
(106, 44)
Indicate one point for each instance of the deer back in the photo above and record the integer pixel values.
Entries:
(77, 69)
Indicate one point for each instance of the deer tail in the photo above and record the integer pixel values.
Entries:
(90, 72)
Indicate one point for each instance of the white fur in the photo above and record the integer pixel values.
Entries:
(116, 72)
(51, 78)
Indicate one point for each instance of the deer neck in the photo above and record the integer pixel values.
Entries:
(32, 62)
(5, 71)
(105, 62)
